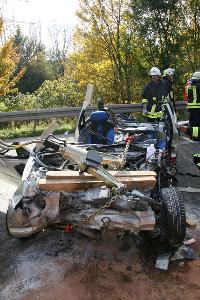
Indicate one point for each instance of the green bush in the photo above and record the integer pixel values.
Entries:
(58, 93)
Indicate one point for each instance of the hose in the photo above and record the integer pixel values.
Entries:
(12, 146)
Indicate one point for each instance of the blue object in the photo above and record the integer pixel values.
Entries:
(102, 131)
(98, 116)
(110, 136)
(161, 145)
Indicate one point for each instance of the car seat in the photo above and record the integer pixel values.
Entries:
(101, 130)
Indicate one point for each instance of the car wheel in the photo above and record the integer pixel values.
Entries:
(173, 217)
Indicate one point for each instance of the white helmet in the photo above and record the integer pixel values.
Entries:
(196, 75)
(168, 72)
(154, 71)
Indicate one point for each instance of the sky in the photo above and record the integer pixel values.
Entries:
(40, 15)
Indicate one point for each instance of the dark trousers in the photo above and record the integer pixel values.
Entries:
(194, 117)
(152, 120)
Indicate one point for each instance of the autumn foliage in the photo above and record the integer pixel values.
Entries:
(8, 62)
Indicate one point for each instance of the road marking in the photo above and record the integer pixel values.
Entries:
(188, 189)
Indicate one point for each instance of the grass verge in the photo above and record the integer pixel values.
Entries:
(17, 129)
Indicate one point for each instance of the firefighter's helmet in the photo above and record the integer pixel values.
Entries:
(154, 72)
(196, 75)
(168, 72)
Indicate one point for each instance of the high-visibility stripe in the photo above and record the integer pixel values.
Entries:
(193, 105)
(153, 109)
(144, 101)
(154, 98)
(155, 115)
(171, 94)
(195, 131)
(196, 155)
(194, 94)
(152, 116)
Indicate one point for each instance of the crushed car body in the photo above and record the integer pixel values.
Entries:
(74, 185)
(121, 182)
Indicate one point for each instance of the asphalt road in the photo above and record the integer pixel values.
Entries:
(51, 265)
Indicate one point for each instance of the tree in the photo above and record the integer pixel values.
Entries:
(165, 39)
(32, 56)
(60, 43)
(8, 62)
(26, 47)
(107, 46)
(90, 64)
(191, 34)
(157, 24)
(37, 71)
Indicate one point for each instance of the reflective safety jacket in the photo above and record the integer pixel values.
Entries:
(193, 92)
(194, 133)
(154, 95)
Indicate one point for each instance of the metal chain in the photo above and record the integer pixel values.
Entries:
(125, 153)
(62, 227)
(97, 212)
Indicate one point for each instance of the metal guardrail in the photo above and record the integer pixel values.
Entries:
(38, 114)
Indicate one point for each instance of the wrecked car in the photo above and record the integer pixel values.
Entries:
(75, 187)
(119, 181)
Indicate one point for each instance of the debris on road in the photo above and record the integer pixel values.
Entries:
(191, 224)
(184, 252)
(189, 242)
(162, 261)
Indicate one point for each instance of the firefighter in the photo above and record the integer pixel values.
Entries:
(193, 96)
(153, 96)
(168, 75)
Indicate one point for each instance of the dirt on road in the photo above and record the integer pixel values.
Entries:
(119, 278)
(53, 265)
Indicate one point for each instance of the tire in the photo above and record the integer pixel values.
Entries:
(173, 217)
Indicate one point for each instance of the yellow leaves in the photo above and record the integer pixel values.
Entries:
(105, 53)
(91, 66)
(89, 63)
(8, 62)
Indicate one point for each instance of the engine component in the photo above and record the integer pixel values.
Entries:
(51, 210)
